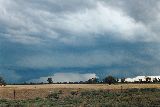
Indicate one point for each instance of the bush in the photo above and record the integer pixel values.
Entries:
(60, 92)
(53, 96)
(74, 92)
(93, 98)
(110, 80)
(149, 89)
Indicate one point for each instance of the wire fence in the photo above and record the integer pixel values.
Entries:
(22, 94)
(32, 92)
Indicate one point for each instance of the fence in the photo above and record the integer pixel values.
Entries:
(19, 94)
(42, 91)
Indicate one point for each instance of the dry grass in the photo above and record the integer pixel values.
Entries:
(33, 91)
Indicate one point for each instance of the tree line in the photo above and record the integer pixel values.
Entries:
(109, 80)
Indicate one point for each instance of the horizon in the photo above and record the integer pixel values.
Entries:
(81, 39)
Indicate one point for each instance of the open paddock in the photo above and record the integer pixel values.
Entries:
(33, 91)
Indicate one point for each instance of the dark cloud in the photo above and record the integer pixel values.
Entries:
(41, 37)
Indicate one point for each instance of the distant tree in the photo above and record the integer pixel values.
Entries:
(64, 82)
(2, 82)
(122, 80)
(70, 82)
(155, 80)
(148, 79)
(31, 83)
(41, 83)
(81, 82)
(92, 81)
(89, 81)
(140, 81)
(95, 80)
(158, 80)
(110, 80)
(75, 82)
(117, 80)
(50, 81)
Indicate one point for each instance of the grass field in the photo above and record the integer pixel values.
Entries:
(80, 95)
(41, 91)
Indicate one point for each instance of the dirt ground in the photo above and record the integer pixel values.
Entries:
(42, 91)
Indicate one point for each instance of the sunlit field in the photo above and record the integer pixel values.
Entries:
(80, 95)
(34, 91)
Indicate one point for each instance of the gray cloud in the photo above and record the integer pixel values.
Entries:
(141, 10)
(35, 23)
(144, 11)
(55, 34)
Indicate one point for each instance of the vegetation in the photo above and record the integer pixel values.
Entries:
(110, 80)
(93, 98)
(144, 97)
(107, 80)
(2, 82)
(50, 81)
(92, 81)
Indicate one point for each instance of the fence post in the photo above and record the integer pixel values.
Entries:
(14, 94)
(121, 88)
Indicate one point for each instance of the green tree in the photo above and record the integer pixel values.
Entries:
(110, 80)
(122, 80)
(155, 80)
(93, 81)
(2, 82)
(50, 81)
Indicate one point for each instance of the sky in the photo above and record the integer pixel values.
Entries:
(83, 38)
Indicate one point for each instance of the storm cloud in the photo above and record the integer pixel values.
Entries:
(42, 37)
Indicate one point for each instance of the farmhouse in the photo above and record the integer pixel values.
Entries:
(143, 79)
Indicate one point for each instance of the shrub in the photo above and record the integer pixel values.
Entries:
(60, 92)
(110, 80)
(53, 96)
(74, 92)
